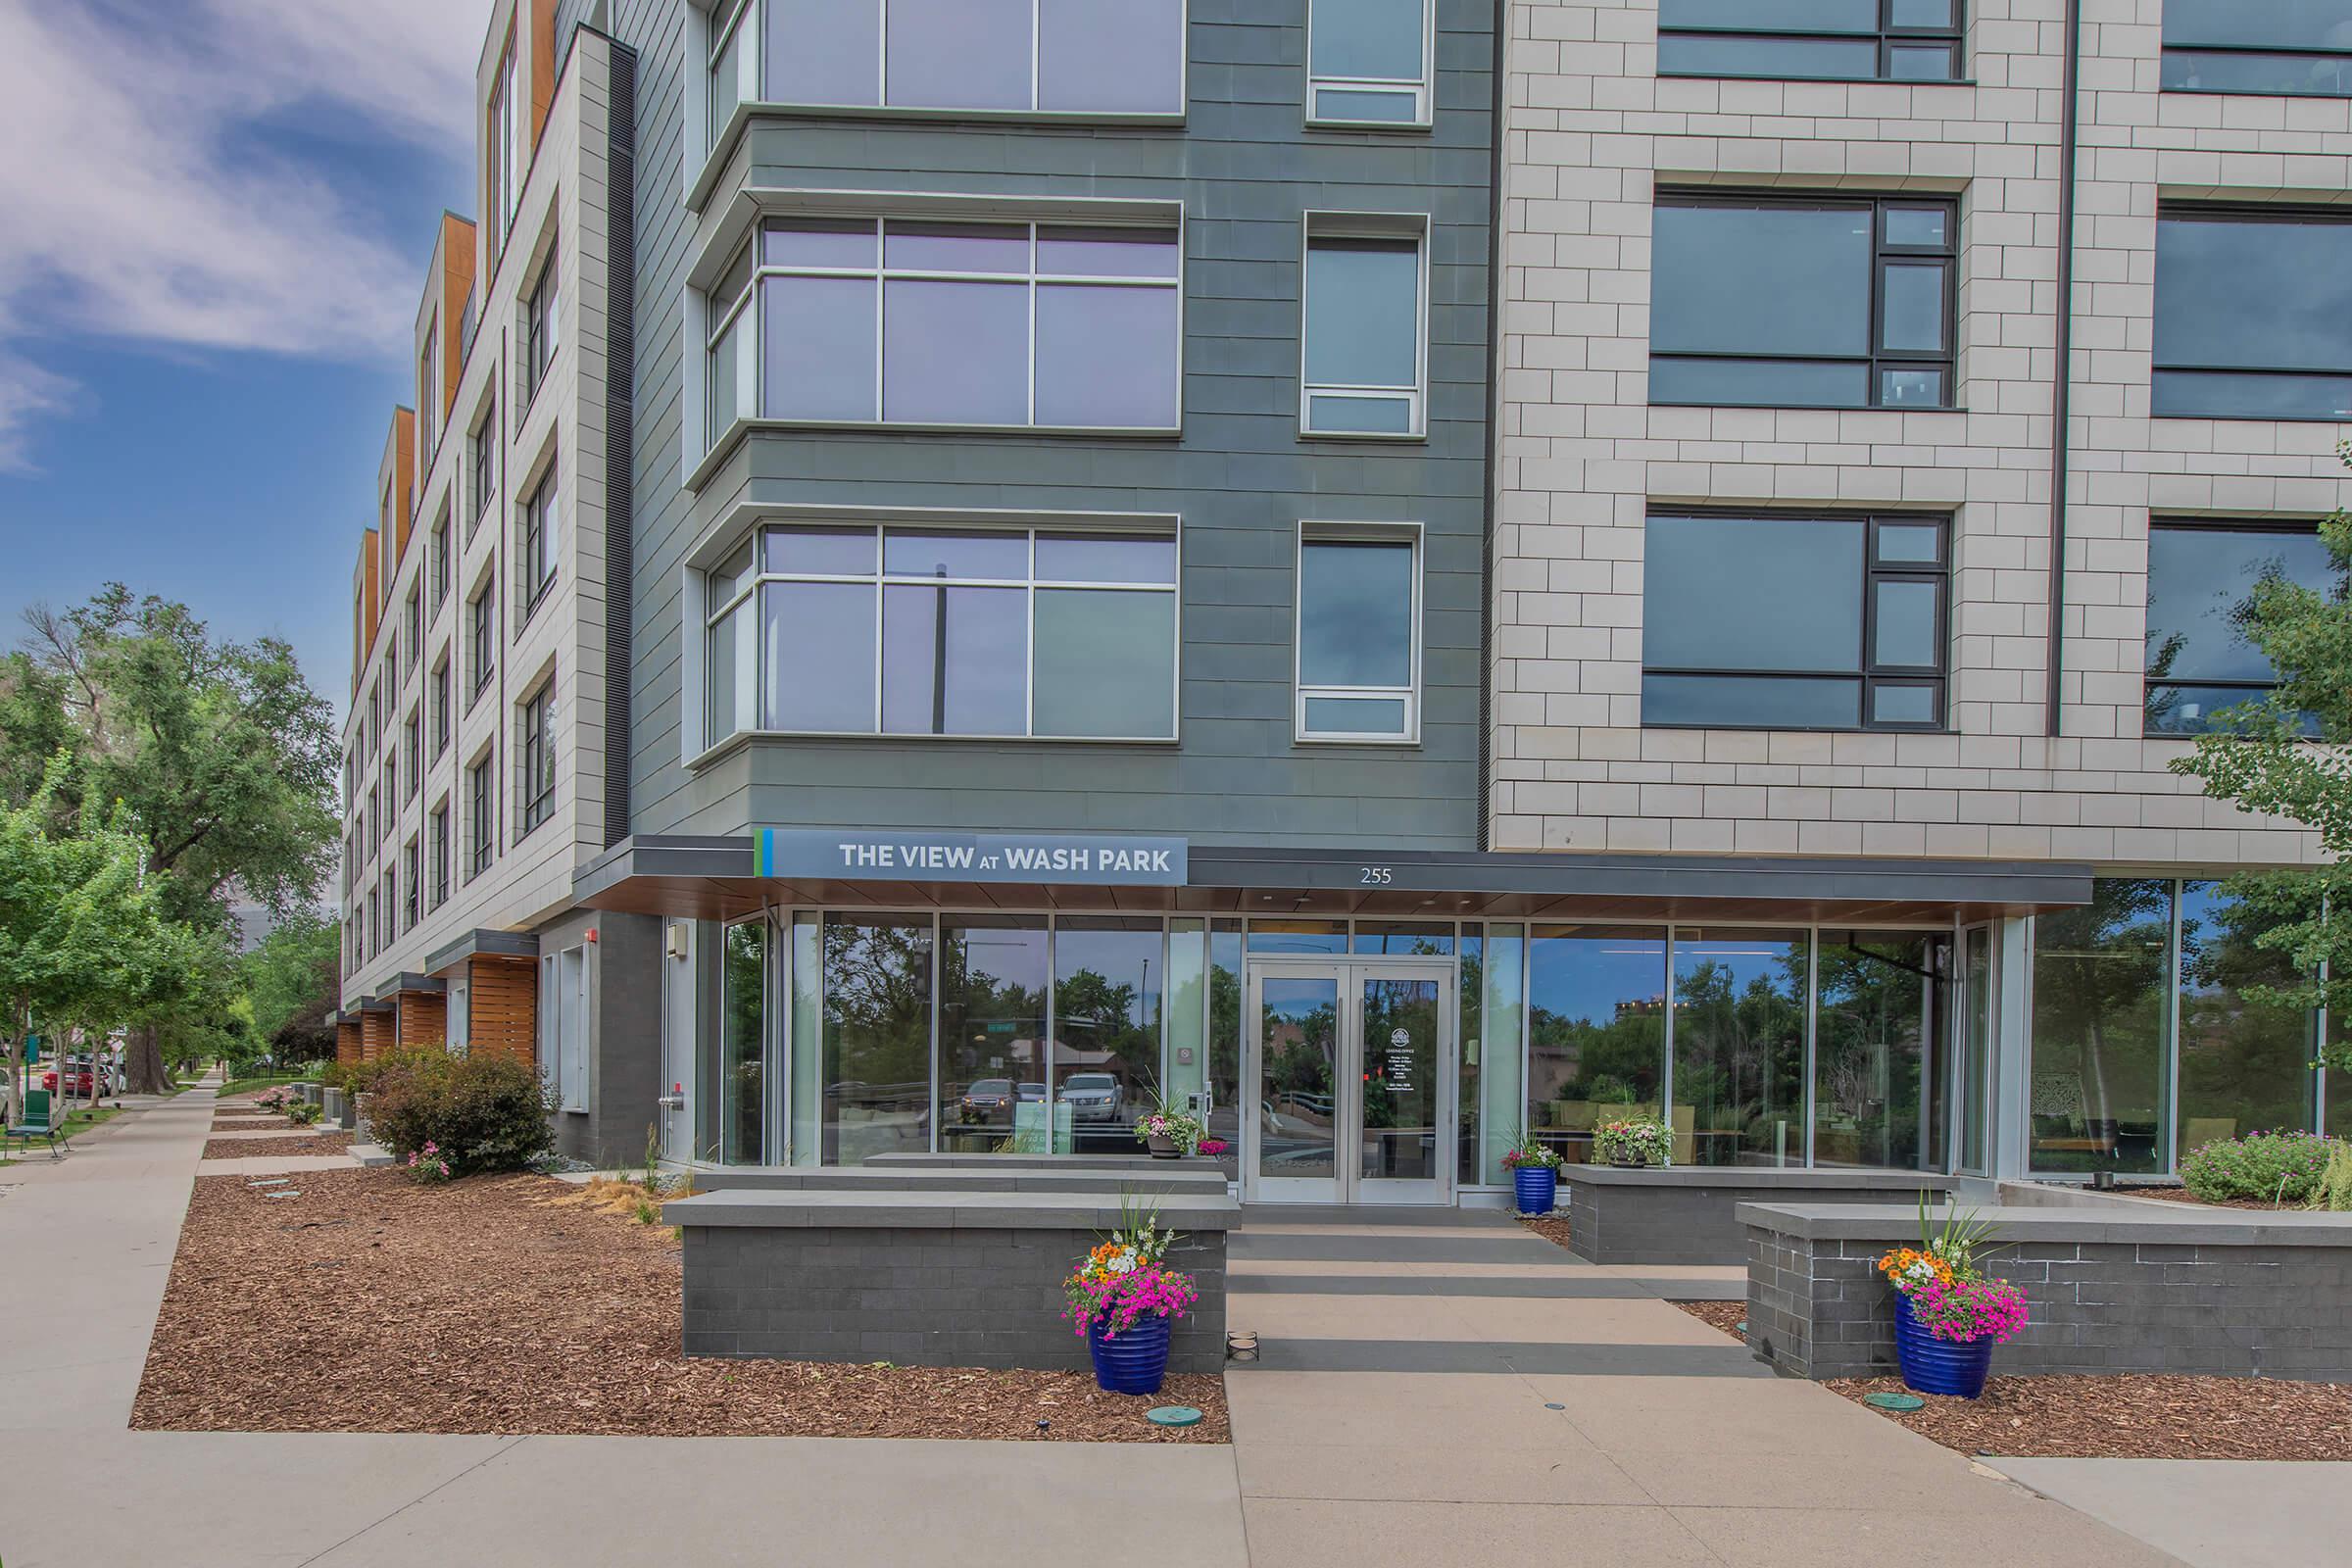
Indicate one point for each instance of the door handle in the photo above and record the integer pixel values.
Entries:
(671, 1101)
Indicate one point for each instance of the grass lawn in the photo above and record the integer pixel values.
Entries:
(246, 1086)
(85, 1117)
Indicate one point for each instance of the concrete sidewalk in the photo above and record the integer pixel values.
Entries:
(85, 1248)
(2215, 1513)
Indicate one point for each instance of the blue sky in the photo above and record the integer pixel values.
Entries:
(222, 212)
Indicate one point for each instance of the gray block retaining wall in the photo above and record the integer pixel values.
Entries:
(1690, 1213)
(2242, 1294)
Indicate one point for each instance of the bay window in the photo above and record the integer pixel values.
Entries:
(999, 631)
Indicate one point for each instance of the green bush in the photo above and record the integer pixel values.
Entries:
(2267, 1167)
(482, 1114)
(2334, 1188)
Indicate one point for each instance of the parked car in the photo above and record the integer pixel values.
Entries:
(1092, 1096)
(77, 1081)
(1029, 1089)
(986, 1100)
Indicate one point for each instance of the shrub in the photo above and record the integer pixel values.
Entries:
(1635, 1140)
(479, 1112)
(2267, 1167)
(2335, 1189)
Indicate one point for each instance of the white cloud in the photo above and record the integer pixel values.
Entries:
(139, 207)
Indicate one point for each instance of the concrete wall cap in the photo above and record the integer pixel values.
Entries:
(934, 1210)
(2222, 1227)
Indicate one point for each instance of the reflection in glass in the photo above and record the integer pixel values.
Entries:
(1975, 1064)
(1400, 1074)
(1298, 1041)
(1356, 614)
(2201, 582)
(2102, 1027)
(1470, 997)
(1297, 936)
(1106, 355)
(1108, 973)
(742, 1061)
(1368, 39)
(1111, 56)
(954, 661)
(1800, 285)
(954, 352)
(1406, 939)
(1503, 1014)
(2245, 1065)
(1739, 1048)
(823, 52)
(958, 54)
(1878, 1085)
(817, 348)
(812, 627)
(1363, 321)
(1595, 1031)
(1227, 1106)
(1723, 593)
(992, 1026)
(877, 1036)
(1751, 702)
(2259, 295)
(1106, 663)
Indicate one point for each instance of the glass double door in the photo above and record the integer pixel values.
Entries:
(1351, 1070)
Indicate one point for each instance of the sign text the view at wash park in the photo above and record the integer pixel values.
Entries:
(1102, 859)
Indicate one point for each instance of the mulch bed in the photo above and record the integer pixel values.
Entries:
(246, 1148)
(2182, 1195)
(1553, 1228)
(498, 1304)
(2133, 1417)
(1725, 1315)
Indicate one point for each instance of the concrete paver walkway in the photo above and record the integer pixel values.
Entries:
(1466, 1391)
(2215, 1513)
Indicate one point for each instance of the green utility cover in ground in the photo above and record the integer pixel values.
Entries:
(1173, 1415)
(1894, 1401)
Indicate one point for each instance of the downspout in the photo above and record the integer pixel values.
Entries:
(1489, 497)
(2063, 373)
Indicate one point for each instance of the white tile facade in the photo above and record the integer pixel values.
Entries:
(1591, 134)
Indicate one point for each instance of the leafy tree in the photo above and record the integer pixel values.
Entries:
(2283, 754)
(290, 984)
(223, 757)
(83, 933)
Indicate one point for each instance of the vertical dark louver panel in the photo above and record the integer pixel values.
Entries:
(621, 402)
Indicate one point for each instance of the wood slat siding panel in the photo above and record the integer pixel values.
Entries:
(423, 1019)
(375, 1034)
(347, 1042)
(502, 1015)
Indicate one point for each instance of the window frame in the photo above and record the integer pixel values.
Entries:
(1411, 535)
(436, 832)
(722, 316)
(1887, 36)
(538, 544)
(542, 323)
(502, 130)
(481, 812)
(1424, 91)
(1868, 674)
(2167, 50)
(482, 463)
(439, 699)
(747, 596)
(725, 18)
(1390, 227)
(412, 747)
(2252, 689)
(535, 758)
(2291, 214)
(441, 570)
(412, 860)
(481, 638)
(1877, 360)
(415, 625)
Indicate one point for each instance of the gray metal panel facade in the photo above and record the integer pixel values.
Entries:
(1247, 171)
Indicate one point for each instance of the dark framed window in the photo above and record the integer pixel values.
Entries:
(415, 625)
(440, 702)
(481, 638)
(1769, 300)
(535, 758)
(410, 859)
(2201, 662)
(480, 804)
(536, 546)
(440, 562)
(413, 748)
(540, 326)
(1811, 40)
(482, 459)
(2297, 50)
(438, 831)
(392, 665)
(2253, 313)
(1785, 620)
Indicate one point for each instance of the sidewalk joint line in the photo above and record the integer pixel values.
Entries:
(514, 1441)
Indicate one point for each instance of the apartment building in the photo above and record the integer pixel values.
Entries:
(1406, 572)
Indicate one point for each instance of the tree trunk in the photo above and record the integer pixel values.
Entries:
(143, 1062)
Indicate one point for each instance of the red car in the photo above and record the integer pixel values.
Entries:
(81, 1078)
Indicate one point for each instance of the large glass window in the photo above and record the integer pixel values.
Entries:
(1595, 1030)
(1738, 1047)
(2102, 1030)
(2253, 313)
(535, 757)
(1109, 972)
(1363, 362)
(1226, 1107)
(1078, 57)
(1802, 301)
(540, 327)
(2201, 577)
(925, 323)
(1811, 40)
(1359, 641)
(1368, 62)
(743, 1053)
(479, 796)
(2245, 1065)
(1879, 1085)
(877, 1036)
(992, 1029)
(1786, 623)
(2295, 48)
(1003, 632)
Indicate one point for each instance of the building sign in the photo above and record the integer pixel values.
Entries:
(864, 855)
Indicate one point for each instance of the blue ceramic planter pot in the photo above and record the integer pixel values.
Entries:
(1539, 1187)
(1132, 1362)
(1937, 1366)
